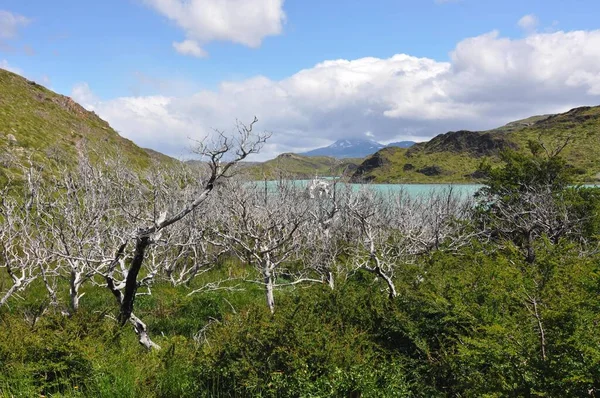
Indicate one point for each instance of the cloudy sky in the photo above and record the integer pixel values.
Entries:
(312, 71)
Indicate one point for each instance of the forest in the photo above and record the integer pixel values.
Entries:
(192, 281)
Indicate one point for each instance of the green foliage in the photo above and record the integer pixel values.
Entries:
(460, 326)
(290, 165)
(584, 204)
(50, 130)
(521, 173)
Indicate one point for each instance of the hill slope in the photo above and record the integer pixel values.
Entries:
(456, 156)
(297, 166)
(51, 129)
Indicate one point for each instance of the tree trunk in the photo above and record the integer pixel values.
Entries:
(269, 291)
(542, 334)
(530, 256)
(74, 285)
(9, 293)
(392, 288)
(131, 283)
(330, 280)
(142, 333)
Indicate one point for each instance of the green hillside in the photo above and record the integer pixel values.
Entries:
(456, 156)
(50, 129)
(297, 166)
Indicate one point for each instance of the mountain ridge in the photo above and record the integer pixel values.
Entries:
(353, 148)
(456, 156)
(51, 130)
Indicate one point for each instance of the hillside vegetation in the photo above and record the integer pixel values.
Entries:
(262, 293)
(457, 156)
(299, 166)
(51, 129)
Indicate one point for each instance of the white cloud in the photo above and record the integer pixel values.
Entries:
(528, 23)
(490, 80)
(10, 23)
(5, 65)
(189, 47)
(245, 22)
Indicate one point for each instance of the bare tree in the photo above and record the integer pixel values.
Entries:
(22, 249)
(219, 157)
(322, 234)
(191, 247)
(17, 258)
(76, 220)
(263, 229)
(375, 249)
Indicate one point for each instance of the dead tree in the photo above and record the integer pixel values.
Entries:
(373, 249)
(263, 230)
(16, 256)
(76, 219)
(322, 235)
(219, 157)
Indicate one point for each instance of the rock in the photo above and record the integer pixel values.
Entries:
(11, 138)
(431, 171)
(408, 167)
(476, 143)
(373, 162)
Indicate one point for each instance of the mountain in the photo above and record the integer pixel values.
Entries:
(354, 148)
(456, 156)
(401, 144)
(291, 165)
(350, 148)
(51, 129)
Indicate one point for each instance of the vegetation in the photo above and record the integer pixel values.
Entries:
(124, 281)
(303, 167)
(51, 130)
(375, 295)
(457, 156)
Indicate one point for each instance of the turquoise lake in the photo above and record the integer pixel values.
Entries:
(411, 189)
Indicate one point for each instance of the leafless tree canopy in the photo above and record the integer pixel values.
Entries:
(107, 224)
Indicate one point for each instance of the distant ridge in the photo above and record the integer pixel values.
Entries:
(456, 156)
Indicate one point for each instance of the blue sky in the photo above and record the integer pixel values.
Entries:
(118, 55)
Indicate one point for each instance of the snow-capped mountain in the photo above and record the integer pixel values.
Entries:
(351, 148)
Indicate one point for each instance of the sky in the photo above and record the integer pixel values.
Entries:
(162, 72)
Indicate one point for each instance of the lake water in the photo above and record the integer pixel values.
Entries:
(410, 189)
(463, 190)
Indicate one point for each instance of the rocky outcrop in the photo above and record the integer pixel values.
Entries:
(71, 106)
(474, 143)
(371, 163)
(431, 171)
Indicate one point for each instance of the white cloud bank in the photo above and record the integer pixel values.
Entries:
(245, 22)
(489, 81)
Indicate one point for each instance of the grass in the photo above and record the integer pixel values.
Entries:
(581, 125)
(298, 166)
(50, 129)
